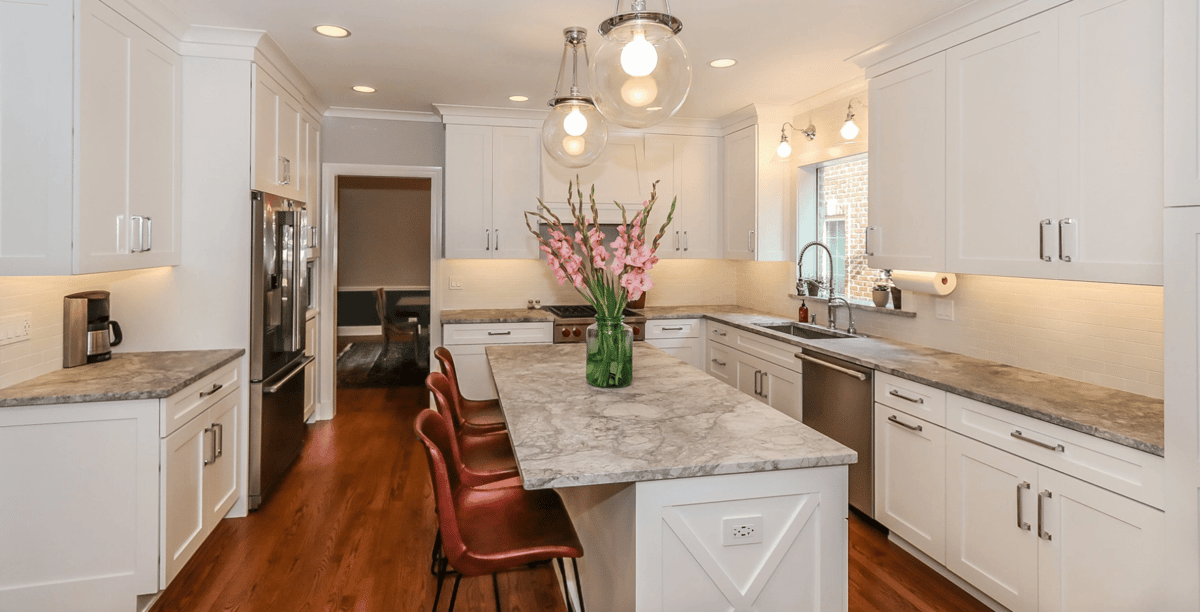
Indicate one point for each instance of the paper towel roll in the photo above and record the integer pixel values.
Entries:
(937, 283)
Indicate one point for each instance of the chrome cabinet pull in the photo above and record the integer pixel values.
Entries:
(1042, 497)
(500, 333)
(1042, 240)
(895, 393)
(1071, 225)
(766, 385)
(496, 236)
(1021, 524)
(1058, 448)
(719, 332)
(672, 329)
(218, 440)
(149, 234)
(141, 232)
(847, 371)
(750, 240)
(676, 240)
(867, 247)
(487, 239)
(757, 383)
(893, 419)
(208, 459)
(719, 362)
(216, 387)
(685, 241)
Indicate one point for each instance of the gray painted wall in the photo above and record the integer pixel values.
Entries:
(375, 141)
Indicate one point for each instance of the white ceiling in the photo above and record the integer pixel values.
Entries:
(479, 52)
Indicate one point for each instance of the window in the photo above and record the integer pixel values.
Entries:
(841, 221)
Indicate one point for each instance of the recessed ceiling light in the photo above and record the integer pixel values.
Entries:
(332, 31)
(519, 98)
(363, 89)
(722, 63)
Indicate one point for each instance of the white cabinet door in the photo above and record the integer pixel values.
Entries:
(310, 370)
(907, 203)
(698, 164)
(184, 454)
(781, 389)
(741, 193)
(515, 153)
(1100, 552)
(991, 511)
(36, 151)
(1181, 99)
(721, 364)
(313, 183)
(267, 95)
(689, 350)
(1111, 65)
(910, 480)
(288, 157)
(468, 192)
(220, 480)
(619, 174)
(662, 161)
(155, 153)
(473, 371)
(1002, 151)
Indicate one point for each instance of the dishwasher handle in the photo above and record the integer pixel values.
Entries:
(846, 371)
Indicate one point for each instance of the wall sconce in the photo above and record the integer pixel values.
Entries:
(849, 129)
(785, 149)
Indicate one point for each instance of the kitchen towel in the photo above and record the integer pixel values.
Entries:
(937, 283)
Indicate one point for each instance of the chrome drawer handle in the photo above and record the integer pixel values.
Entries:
(216, 387)
(895, 393)
(893, 419)
(1042, 497)
(719, 362)
(1024, 526)
(672, 329)
(219, 440)
(1058, 448)
(503, 333)
(719, 332)
(208, 460)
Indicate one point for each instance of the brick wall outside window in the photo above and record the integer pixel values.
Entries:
(842, 195)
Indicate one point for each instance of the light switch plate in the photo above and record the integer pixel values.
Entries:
(14, 328)
(455, 283)
(944, 309)
(742, 530)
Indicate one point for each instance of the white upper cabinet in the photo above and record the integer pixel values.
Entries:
(698, 163)
(1181, 98)
(907, 203)
(1002, 150)
(741, 193)
(280, 139)
(107, 198)
(492, 178)
(757, 223)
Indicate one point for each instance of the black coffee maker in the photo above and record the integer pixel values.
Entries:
(86, 329)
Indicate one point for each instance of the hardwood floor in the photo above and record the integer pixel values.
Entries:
(351, 525)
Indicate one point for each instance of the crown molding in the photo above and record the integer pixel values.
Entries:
(221, 43)
(855, 87)
(156, 18)
(754, 114)
(382, 115)
(273, 53)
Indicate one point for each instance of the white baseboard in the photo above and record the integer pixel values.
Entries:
(360, 330)
(951, 576)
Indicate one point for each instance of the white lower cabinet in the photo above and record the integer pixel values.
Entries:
(310, 370)
(766, 379)
(467, 341)
(910, 480)
(680, 338)
(1033, 538)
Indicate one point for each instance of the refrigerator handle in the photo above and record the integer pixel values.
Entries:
(283, 381)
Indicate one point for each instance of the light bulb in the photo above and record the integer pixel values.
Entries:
(785, 149)
(573, 145)
(849, 130)
(575, 123)
(639, 91)
(639, 58)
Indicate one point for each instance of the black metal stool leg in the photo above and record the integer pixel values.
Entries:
(441, 578)
(437, 551)
(454, 593)
(578, 584)
(496, 590)
(562, 570)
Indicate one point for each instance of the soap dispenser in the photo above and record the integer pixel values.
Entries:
(803, 316)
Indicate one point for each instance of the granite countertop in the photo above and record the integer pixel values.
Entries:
(673, 421)
(127, 376)
(496, 315)
(1125, 418)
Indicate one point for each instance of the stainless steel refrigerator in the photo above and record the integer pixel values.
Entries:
(277, 318)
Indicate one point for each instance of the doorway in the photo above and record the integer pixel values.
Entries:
(379, 309)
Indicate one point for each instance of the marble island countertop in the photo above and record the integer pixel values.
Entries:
(673, 421)
(127, 376)
(1125, 418)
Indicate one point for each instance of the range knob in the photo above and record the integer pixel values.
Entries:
(566, 333)
(575, 332)
(637, 331)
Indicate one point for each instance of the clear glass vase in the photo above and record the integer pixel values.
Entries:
(609, 353)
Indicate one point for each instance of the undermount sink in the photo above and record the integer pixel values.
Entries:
(809, 332)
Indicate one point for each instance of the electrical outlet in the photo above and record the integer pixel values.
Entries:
(742, 530)
(944, 309)
(15, 328)
(455, 283)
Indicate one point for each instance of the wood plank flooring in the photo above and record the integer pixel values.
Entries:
(350, 528)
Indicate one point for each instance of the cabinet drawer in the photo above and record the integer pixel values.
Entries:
(673, 328)
(721, 364)
(1118, 468)
(197, 397)
(916, 399)
(497, 333)
(719, 332)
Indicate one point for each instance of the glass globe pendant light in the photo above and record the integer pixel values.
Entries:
(574, 133)
(641, 74)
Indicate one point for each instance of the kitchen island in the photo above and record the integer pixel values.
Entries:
(686, 493)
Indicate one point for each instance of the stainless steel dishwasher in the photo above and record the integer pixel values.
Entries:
(839, 402)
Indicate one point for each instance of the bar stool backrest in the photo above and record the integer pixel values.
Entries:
(436, 435)
(455, 394)
(440, 387)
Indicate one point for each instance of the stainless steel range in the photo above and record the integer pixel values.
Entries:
(572, 321)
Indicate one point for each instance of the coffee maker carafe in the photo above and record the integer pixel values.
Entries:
(86, 329)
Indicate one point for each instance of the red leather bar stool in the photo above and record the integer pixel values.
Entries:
(471, 416)
(491, 529)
